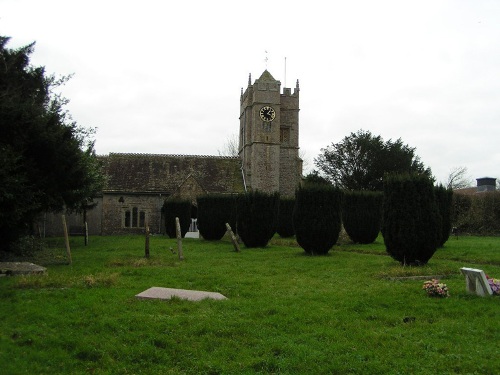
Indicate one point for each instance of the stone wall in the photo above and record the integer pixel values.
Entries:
(50, 224)
(129, 213)
(265, 169)
(290, 172)
(290, 163)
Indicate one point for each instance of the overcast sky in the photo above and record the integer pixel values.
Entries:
(166, 76)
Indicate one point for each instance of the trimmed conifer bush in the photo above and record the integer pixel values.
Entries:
(257, 217)
(285, 222)
(180, 208)
(214, 211)
(411, 222)
(362, 215)
(444, 199)
(317, 218)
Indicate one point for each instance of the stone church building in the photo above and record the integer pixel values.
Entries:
(136, 185)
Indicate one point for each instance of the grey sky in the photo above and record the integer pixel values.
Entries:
(165, 76)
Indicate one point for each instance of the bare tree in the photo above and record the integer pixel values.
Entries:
(459, 178)
(230, 147)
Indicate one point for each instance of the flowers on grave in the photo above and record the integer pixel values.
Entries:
(494, 285)
(434, 288)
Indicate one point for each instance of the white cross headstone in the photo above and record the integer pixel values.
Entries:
(476, 282)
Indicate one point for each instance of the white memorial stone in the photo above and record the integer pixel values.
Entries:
(476, 282)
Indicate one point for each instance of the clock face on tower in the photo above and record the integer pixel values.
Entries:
(267, 113)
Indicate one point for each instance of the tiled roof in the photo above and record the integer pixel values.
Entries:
(158, 173)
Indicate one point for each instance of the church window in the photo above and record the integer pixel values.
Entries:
(127, 219)
(284, 135)
(134, 218)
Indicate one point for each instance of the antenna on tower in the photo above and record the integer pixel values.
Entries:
(285, 72)
(266, 59)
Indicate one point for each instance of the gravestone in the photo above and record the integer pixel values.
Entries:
(233, 238)
(168, 293)
(20, 268)
(476, 282)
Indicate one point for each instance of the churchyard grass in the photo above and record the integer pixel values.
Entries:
(482, 250)
(354, 311)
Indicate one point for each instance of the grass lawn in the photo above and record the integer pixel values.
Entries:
(345, 313)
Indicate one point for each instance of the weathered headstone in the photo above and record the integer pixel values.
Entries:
(179, 238)
(476, 282)
(233, 238)
(146, 244)
(86, 234)
(66, 238)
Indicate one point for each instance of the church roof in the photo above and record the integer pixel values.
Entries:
(266, 77)
(164, 174)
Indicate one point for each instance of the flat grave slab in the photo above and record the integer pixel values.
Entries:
(167, 293)
(21, 268)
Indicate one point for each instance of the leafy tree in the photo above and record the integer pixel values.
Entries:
(47, 161)
(314, 178)
(360, 161)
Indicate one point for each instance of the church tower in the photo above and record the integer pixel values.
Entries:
(269, 136)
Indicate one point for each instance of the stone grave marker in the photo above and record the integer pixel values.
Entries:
(476, 282)
(21, 268)
(168, 293)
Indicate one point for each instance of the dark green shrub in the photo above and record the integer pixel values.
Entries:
(362, 215)
(317, 218)
(257, 217)
(461, 208)
(285, 222)
(477, 214)
(444, 199)
(314, 178)
(411, 222)
(214, 211)
(180, 208)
